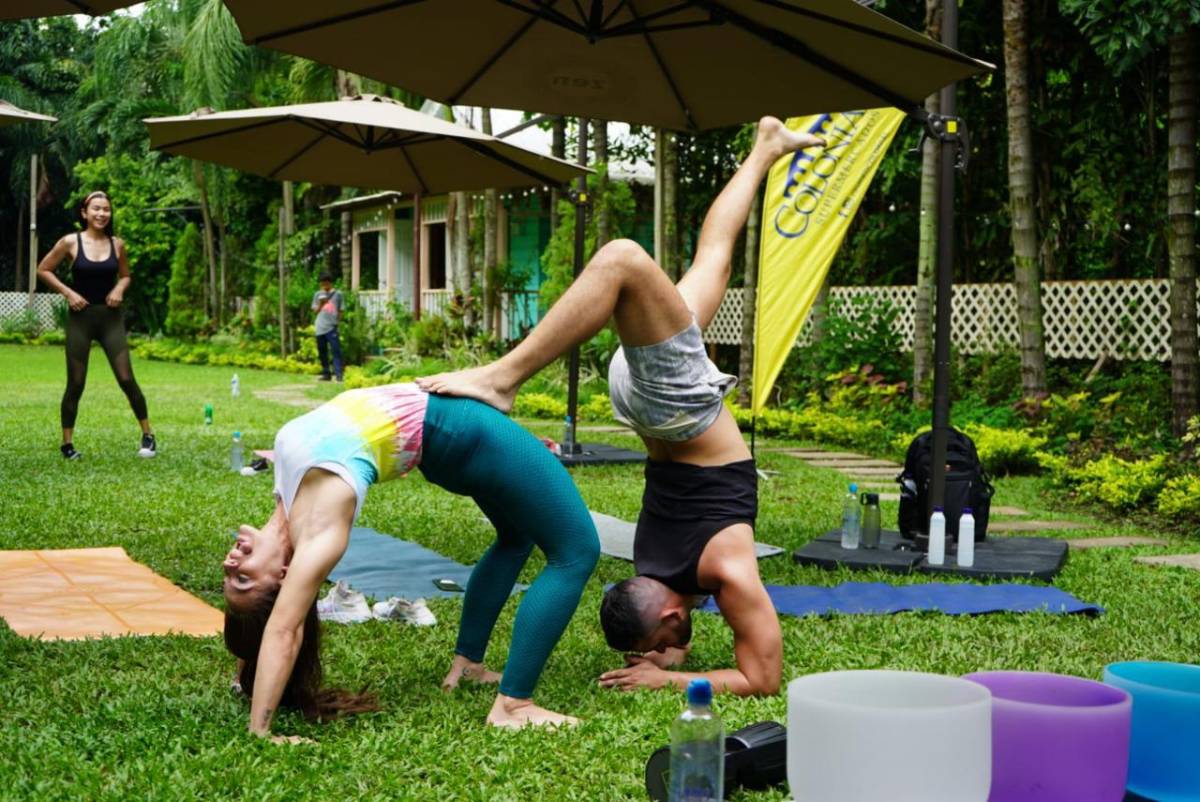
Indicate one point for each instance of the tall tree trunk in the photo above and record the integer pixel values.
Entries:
(603, 207)
(749, 303)
(289, 208)
(346, 247)
(22, 234)
(558, 148)
(223, 297)
(210, 253)
(1181, 201)
(346, 84)
(820, 312)
(669, 260)
(491, 306)
(927, 249)
(460, 241)
(1021, 201)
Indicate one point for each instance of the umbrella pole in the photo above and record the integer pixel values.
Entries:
(581, 200)
(416, 249)
(945, 274)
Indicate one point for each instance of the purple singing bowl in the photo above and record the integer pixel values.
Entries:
(1056, 738)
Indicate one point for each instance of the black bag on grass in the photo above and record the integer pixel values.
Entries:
(967, 485)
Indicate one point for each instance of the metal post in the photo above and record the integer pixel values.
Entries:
(282, 286)
(580, 232)
(417, 256)
(33, 233)
(945, 277)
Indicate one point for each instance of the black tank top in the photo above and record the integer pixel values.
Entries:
(683, 507)
(94, 280)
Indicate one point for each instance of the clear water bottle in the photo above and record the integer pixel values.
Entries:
(966, 539)
(235, 387)
(937, 537)
(697, 749)
(236, 460)
(208, 414)
(851, 519)
(568, 440)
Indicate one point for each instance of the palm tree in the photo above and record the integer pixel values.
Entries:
(927, 248)
(1021, 199)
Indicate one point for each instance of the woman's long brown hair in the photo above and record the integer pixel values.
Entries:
(243, 637)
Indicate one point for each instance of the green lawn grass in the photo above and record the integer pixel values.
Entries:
(153, 718)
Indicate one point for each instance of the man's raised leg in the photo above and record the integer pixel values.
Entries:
(621, 282)
(703, 286)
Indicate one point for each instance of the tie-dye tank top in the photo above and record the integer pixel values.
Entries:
(365, 436)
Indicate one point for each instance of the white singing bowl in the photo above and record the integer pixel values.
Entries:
(899, 736)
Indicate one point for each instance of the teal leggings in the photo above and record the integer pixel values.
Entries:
(472, 449)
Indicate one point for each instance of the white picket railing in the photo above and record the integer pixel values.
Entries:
(14, 304)
(1123, 319)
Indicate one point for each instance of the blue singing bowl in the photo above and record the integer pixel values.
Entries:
(1163, 753)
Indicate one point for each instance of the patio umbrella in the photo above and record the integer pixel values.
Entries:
(11, 115)
(365, 141)
(26, 9)
(678, 64)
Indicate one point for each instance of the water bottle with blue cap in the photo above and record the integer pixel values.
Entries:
(697, 749)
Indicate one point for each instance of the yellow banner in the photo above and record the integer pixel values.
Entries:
(810, 200)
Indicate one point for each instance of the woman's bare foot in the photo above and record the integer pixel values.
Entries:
(776, 139)
(485, 383)
(464, 670)
(518, 713)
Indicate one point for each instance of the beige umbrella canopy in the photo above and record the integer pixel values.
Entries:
(364, 141)
(24, 9)
(678, 64)
(10, 115)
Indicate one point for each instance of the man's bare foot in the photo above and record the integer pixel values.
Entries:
(464, 670)
(518, 713)
(776, 139)
(484, 383)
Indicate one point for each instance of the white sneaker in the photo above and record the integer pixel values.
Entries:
(416, 612)
(342, 605)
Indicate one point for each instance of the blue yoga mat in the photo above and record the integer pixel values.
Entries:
(384, 566)
(878, 598)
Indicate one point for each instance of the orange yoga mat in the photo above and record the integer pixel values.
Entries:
(71, 594)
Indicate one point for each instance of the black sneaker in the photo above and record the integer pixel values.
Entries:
(68, 451)
(324, 378)
(149, 447)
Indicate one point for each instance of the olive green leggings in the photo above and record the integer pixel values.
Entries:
(106, 326)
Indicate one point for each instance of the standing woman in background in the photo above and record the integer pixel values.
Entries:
(99, 278)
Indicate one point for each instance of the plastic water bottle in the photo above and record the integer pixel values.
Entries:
(235, 387)
(937, 537)
(208, 414)
(568, 441)
(966, 539)
(697, 749)
(235, 453)
(851, 519)
(871, 524)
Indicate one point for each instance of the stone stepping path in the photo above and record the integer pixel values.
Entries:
(1034, 526)
(1014, 511)
(853, 463)
(877, 472)
(1105, 542)
(291, 395)
(1191, 561)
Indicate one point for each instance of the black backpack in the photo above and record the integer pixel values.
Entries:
(967, 485)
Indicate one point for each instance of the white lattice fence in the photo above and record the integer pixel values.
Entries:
(14, 304)
(1126, 319)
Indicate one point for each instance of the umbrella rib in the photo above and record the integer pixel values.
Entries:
(666, 74)
(544, 10)
(794, 46)
(931, 47)
(614, 13)
(296, 155)
(224, 132)
(499, 54)
(500, 157)
(329, 129)
(326, 22)
(412, 166)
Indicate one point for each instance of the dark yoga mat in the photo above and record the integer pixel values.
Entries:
(383, 566)
(995, 558)
(601, 454)
(878, 598)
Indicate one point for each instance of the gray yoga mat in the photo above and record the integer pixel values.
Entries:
(616, 538)
(383, 566)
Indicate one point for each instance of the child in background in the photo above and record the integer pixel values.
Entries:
(327, 303)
